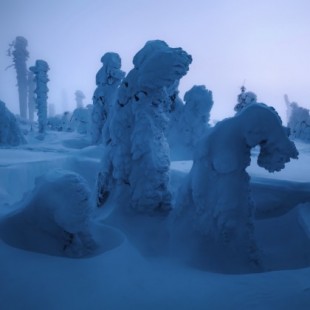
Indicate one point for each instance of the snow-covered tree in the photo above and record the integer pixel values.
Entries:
(244, 99)
(40, 70)
(216, 200)
(137, 156)
(79, 97)
(196, 115)
(31, 95)
(189, 121)
(80, 120)
(108, 79)
(10, 133)
(51, 110)
(58, 212)
(18, 51)
(298, 120)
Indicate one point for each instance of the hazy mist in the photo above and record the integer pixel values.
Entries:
(264, 43)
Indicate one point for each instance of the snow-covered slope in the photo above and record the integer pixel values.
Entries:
(120, 276)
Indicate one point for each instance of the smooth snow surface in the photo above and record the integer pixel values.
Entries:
(125, 272)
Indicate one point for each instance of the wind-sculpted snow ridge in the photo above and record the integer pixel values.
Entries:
(40, 70)
(137, 157)
(216, 202)
(108, 79)
(10, 133)
(55, 218)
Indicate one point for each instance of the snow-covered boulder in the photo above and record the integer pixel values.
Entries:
(10, 133)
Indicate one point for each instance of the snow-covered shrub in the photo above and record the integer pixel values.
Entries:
(298, 120)
(10, 133)
(80, 120)
(108, 79)
(54, 122)
(79, 97)
(217, 200)
(66, 122)
(18, 50)
(59, 208)
(244, 99)
(40, 70)
(137, 156)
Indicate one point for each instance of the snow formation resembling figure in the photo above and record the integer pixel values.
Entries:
(40, 70)
(218, 201)
(108, 79)
(137, 157)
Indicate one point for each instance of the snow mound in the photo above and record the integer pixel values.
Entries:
(55, 219)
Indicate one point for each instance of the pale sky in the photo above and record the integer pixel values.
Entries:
(265, 43)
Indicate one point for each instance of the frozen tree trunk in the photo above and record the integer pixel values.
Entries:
(31, 96)
(20, 56)
(40, 70)
(108, 79)
(138, 153)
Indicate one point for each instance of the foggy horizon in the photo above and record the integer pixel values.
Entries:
(262, 45)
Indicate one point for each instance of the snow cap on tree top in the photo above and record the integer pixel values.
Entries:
(198, 93)
(148, 49)
(111, 59)
(41, 65)
(21, 42)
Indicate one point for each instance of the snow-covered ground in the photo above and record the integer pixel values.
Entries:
(118, 275)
